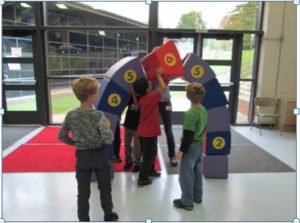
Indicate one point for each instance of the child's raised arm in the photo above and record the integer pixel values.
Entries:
(162, 85)
(134, 97)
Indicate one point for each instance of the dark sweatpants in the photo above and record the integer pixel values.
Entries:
(88, 161)
(149, 150)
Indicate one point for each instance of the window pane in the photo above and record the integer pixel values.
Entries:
(222, 73)
(183, 45)
(248, 56)
(179, 101)
(91, 52)
(125, 14)
(20, 100)
(18, 13)
(214, 49)
(243, 113)
(18, 72)
(62, 99)
(208, 15)
(17, 46)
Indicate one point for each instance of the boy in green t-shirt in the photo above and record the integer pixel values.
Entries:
(190, 151)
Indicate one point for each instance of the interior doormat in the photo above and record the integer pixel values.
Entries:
(245, 157)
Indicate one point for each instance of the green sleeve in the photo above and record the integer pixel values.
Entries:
(189, 122)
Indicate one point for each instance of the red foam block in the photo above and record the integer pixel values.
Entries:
(167, 57)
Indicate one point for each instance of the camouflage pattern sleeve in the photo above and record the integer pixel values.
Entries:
(106, 133)
(63, 134)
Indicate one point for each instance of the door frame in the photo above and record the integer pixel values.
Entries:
(177, 116)
(37, 85)
(235, 63)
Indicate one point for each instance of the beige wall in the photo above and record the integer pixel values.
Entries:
(277, 65)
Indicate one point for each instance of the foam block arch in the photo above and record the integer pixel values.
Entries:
(115, 91)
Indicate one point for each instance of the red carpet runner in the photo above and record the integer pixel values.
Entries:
(44, 153)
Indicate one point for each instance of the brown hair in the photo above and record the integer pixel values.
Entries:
(195, 92)
(83, 87)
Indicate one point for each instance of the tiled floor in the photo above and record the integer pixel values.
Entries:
(242, 197)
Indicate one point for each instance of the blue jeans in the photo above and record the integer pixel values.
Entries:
(190, 176)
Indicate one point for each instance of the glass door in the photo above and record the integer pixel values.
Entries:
(223, 53)
(21, 84)
(185, 43)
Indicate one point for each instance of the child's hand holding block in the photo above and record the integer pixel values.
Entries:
(167, 57)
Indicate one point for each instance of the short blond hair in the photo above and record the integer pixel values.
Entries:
(83, 87)
(195, 92)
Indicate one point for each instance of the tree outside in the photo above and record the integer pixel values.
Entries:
(191, 20)
(243, 17)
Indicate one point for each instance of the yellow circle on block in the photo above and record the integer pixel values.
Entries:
(218, 142)
(130, 76)
(114, 100)
(170, 59)
(197, 71)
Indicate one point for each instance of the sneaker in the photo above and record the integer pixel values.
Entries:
(173, 161)
(117, 159)
(178, 203)
(144, 182)
(127, 166)
(111, 217)
(198, 202)
(155, 174)
(136, 168)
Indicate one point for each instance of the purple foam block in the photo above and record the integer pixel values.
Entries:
(125, 72)
(215, 167)
(218, 119)
(197, 70)
(113, 119)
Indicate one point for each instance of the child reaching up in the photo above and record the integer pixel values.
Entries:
(149, 127)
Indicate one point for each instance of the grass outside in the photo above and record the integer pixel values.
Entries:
(61, 103)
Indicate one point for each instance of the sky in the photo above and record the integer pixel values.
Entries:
(169, 12)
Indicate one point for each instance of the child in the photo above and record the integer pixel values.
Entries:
(117, 143)
(131, 123)
(165, 110)
(149, 127)
(90, 135)
(190, 152)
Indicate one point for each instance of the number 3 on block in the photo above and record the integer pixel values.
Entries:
(114, 100)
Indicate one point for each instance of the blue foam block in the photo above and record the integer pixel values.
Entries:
(214, 96)
(218, 143)
(113, 98)
(215, 167)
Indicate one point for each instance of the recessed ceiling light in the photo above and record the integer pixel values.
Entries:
(102, 33)
(25, 5)
(61, 6)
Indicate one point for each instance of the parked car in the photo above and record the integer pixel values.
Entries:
(68, 48)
